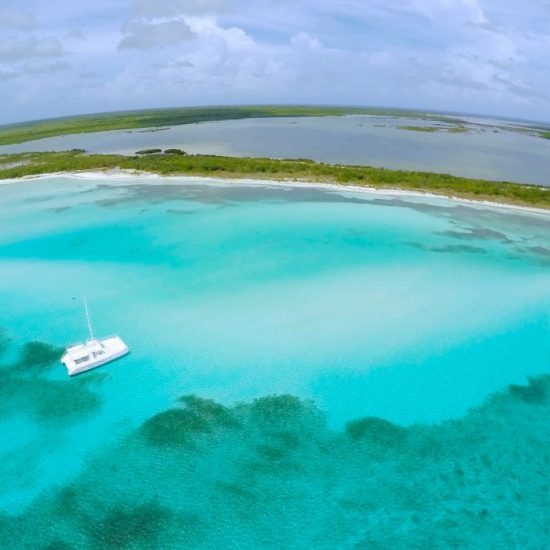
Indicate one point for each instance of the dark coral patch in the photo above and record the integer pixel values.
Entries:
(449, 248)
(58, 545)
(535, 392)
(477, 233)
(59, 209)
(124, 526)
(67, 501)
(56, 400)
(287, 440)
(38, 356)
(540, 250)
(173, 427)
(281, 410)
(269, 452)
(179, 212)
(236, 491)
(476, 482)
(377, 430)
(207, 409)
(24, 387)
(182, 426)
(4, 342)
(459, 248)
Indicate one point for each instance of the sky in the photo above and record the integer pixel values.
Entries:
(60, 58)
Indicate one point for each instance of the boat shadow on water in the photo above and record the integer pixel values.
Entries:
(27, 386)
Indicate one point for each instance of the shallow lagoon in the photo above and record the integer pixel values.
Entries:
(486, 149)
(412, 309)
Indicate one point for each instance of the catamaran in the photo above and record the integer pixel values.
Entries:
(94, 352)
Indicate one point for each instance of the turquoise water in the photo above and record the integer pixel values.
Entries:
(493, 150)
(409, 309)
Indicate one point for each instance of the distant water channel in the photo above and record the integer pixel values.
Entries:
(487, 150)
(409, 309)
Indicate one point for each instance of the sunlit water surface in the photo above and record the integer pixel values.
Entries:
(412, 309)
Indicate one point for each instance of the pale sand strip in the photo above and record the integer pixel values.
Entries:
(113, 174)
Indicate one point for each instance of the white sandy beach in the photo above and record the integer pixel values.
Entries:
(122, 175)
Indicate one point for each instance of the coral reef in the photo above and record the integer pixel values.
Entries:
(26, 386)
(271, 474)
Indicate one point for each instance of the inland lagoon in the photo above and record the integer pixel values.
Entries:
(465, 146)
(309, 367)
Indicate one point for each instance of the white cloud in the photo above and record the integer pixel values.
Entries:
(305, 41)
(28, 47)
(460, 10)
(6, 74)
(46, 68)
(16, 19)
(163, 8)
(155, 35)
(76, 34)
(211, 33)
(484, 55)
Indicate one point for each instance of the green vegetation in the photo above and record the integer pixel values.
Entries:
(166, 152)
(30, 164)
(457, 130)
(419, 128)
(148, 151)
(156, 118)
(433, 129)
(545, 135)
(159, 119)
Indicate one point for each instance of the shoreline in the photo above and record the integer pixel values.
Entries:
(126, 174)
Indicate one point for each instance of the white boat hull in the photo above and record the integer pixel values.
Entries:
(94, 353)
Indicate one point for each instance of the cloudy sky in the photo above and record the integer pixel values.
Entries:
(481, 56)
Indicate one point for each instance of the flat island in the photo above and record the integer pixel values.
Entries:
(176, 162)
(21, 155)
(155, 119)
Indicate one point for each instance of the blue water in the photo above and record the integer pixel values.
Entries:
(412, 309)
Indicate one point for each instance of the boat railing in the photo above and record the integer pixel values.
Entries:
(73, 345)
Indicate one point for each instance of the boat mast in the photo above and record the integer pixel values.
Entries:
(88, 318)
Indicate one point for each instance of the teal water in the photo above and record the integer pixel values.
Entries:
(409, 309)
